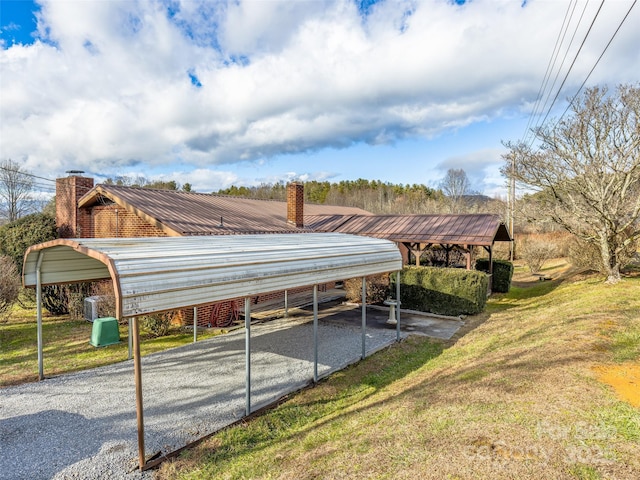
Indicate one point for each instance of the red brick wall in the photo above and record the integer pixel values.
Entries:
(295, 204)
(114, 221)
(69, 221)
(224, 309)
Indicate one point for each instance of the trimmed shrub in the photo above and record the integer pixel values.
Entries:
(445, 291)
(377, 289)
(55, 298)
(502, 273)
(66, 299)
(158, 324)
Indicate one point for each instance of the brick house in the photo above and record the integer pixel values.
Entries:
(109, 211)
(85, 210)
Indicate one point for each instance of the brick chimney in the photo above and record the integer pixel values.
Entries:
(295, 204)
(68, 191)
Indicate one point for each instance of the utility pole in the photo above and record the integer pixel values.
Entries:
(512, 204)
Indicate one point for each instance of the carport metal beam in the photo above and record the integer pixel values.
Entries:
(137, 369)
(247, 351)
(315, 334)
(39, 314)
(364, 317)
(398, 305)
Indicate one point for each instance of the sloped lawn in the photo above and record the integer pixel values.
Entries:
(514, 395)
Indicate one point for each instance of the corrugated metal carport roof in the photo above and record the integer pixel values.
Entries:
(159, 274)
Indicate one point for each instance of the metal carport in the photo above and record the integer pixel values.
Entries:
(151, 275)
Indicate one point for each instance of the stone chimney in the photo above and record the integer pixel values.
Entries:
(68, 191)
(295, 204)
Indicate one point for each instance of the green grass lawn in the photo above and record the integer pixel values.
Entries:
(66, 346)
(513, 395)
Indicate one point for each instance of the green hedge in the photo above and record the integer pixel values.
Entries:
(502, 273)
(446, 291)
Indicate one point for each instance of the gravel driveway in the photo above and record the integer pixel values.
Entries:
(83, 425)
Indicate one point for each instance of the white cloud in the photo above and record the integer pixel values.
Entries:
(482, 168)
(109, 89)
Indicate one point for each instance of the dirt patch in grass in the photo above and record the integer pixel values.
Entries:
(625, 380)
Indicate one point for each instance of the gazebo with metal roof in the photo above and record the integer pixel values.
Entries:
(420, 232)
(151, 275)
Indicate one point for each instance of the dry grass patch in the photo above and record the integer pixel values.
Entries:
(513, 396)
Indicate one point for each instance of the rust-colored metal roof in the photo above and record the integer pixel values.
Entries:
(186, 213)
(472, 229)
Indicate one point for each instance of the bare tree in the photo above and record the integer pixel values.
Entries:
(586, 172)
(455, 186)
(16, 187)
(9, 286)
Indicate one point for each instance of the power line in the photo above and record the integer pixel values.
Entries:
(597, 61)
(555, 78)
(551, 63)
(27, 174)
(39, 184)
(572, 64)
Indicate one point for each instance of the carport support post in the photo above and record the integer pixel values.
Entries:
(247, 348)
(139, 406)
(39, 314)
(398, 306)
(286, 303)
(315, 333)
(195, 324)
(364, 316)
(130, 340)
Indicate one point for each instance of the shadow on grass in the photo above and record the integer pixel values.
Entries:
(332, 396)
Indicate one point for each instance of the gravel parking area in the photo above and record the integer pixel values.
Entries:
(83, 425)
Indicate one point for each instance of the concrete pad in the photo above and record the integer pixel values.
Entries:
(411, 321)
(430, 326)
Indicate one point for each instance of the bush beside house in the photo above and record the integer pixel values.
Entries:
(445, 291)
(377, 289)
(502, 273)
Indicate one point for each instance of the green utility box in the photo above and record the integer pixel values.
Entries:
(104, 332)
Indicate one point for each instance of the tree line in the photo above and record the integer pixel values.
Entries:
(381, 197)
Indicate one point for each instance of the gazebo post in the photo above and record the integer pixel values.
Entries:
(39, 314)
(139, 405)
(490, 259)
(247, 347)
(364, 316)
(315, 334)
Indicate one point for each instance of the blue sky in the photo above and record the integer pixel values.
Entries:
(221, 93)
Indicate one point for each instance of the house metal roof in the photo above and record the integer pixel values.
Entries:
(156, 274)
(187, 213)
(471, 229)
